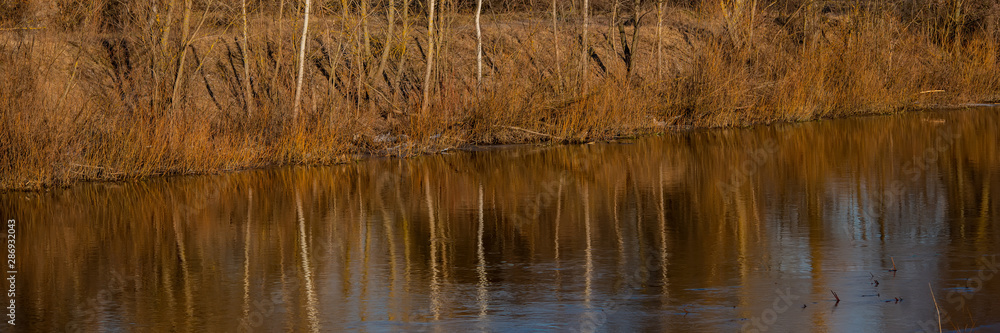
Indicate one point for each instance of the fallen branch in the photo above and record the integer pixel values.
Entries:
(533, 132)
(85, 166)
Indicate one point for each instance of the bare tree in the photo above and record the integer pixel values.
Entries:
(430, 57)
(281, 36)
(555, 44)
(366, 58)
(403, 37)
(584, 46)
(365, 8)
(358, 57)
(659, 39)
(185, 33)
(160, 60)
(248, 96)
(383, 59)
(302, 61)
(479, 43)
(166, 27)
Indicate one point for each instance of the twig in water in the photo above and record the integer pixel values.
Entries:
(936, 308)
(835, 296)
(893, 264)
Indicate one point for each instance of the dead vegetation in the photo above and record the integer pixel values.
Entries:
(115, 89)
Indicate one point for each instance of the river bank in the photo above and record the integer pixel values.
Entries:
(106, 92)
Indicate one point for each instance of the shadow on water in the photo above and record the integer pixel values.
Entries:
(732, 229)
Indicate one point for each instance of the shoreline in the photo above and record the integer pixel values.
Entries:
(476, 148)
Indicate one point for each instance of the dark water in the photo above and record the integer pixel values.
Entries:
(715, 230)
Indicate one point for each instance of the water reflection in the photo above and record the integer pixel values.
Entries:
(699, 231)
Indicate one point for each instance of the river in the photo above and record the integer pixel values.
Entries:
(714, 230)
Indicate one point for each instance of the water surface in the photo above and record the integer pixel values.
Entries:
(708, 230)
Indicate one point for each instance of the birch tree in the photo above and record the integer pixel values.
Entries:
(248, 96)
(302, 61)
(430, 57)
(584, 46)
(479, 43)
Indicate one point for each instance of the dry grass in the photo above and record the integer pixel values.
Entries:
(96, 95)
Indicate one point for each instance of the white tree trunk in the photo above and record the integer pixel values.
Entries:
(479, 43)
(430, 58)
(585, 46)
(302, 61)
(248, 95)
